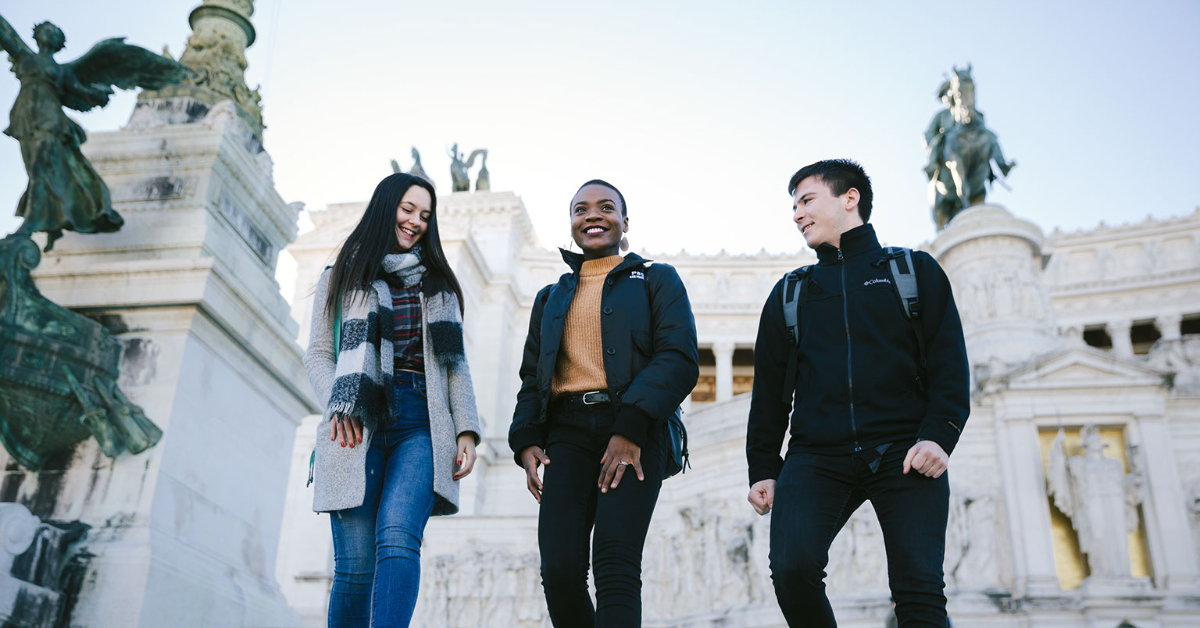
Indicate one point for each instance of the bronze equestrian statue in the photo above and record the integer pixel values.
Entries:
(961, 151)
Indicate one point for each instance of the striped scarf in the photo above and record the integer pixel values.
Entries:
(365, 361)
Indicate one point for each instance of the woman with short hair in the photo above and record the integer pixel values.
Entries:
(610, 355)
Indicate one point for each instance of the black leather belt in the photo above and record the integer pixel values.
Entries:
(583, 399)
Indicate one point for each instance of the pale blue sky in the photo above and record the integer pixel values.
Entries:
(699, 111)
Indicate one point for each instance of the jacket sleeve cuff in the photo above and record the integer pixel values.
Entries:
(768, 471)
(633, 424)
(940, 431)
(522, 438)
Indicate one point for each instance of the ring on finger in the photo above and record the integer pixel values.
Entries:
(624, 464)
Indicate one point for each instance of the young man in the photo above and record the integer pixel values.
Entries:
(870, 421)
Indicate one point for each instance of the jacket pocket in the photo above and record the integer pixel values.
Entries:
(641, 340)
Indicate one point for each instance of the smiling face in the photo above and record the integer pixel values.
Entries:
(822, 217)
(412, 216)
(598, 221)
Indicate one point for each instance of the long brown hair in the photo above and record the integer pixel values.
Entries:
(360, 261)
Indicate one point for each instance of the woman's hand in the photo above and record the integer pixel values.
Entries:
(347, 428)
(466, 456)
(621, 453)
(531, 457)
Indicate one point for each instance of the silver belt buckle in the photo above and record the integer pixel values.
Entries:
(586, 402)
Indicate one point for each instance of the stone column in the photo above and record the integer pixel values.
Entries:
(1118, 331)
(723, 352)
(1169, 325)
(1167, 517)
(994, 262)
(1024, 486)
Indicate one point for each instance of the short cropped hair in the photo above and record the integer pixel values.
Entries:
(840, 175)
(603, 183)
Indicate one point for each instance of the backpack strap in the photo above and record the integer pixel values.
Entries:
(337, 332)
(904, 279)
(337, 328)
(795, 293)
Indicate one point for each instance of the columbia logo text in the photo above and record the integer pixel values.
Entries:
(871, 282)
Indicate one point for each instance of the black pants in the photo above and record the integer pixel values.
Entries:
(815, 496)
(572, 505)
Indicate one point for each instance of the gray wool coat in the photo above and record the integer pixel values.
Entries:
(339, 474)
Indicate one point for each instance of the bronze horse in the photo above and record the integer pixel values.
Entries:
(962, 152)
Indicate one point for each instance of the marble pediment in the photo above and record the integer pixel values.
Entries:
(1084, 367)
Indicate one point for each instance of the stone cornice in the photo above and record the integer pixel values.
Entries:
(192, 148)
(1102, 232)
(1137, 282)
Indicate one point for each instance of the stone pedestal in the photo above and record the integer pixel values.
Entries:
(185, 533)
(994, 261)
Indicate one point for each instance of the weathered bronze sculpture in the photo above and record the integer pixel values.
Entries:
(961, 151)
(59, 369)
(64, 191)
(459, 180)
(58, 372)
(416, 169)
(483, 180)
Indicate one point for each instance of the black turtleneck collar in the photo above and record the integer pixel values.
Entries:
(575, 260)
(856, 241)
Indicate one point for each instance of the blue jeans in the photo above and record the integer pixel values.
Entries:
(377, 546)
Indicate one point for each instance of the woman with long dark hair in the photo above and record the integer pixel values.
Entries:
(611, 353)
(400, 429)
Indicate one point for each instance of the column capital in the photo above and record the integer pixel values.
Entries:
(1119, 325)
(724, 346)
(1169, 325)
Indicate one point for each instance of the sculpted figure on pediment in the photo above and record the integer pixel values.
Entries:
(1182, 357)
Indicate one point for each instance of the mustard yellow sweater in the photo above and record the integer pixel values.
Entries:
(580, 366)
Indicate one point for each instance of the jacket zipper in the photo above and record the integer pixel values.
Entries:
(849, 353)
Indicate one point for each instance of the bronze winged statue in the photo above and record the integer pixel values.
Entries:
(65, 193)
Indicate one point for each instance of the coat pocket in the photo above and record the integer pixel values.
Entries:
(641, 341)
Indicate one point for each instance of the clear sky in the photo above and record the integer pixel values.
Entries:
(699, 111)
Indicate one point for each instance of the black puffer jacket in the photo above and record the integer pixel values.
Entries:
(650, 354)
(858, 384)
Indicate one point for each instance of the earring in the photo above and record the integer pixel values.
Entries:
(624, 243)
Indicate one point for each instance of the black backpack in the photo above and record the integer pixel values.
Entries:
(795, 294)
(677, 460)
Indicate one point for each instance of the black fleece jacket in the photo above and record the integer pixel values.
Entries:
(651, 360)
(858, 385)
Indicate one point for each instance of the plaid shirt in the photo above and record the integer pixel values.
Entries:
(407, 346)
